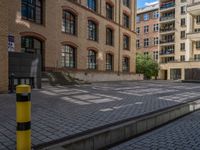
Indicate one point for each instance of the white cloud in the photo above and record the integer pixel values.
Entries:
(151, 3)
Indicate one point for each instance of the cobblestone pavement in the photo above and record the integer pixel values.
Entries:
(59, 111)
(183, 134)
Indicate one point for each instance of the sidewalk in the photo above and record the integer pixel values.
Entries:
(59, 112)
(183, 134)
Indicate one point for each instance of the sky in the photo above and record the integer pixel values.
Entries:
(143, 3)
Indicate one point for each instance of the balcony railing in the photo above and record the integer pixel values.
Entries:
(167, 18)
(167, 41)
(166, 52)
(167, 29)
(167, 5)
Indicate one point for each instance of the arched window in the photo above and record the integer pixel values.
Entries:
(109, 11)
(92, 61)
(32, 10)
(109, 62)
(31, 45)
(92, 30)
(125, 64)
(69, 22)
(68, 56)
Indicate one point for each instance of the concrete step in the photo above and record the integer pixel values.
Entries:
(112, 134)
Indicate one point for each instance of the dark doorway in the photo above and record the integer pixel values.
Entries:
(165, 74)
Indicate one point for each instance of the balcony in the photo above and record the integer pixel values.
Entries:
(167, 18)
(167, 41)
(167, 52)
(193, 7)
(195, 35)
(167, 30)
(167, 5)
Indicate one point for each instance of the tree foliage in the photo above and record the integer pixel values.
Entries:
(147, 66)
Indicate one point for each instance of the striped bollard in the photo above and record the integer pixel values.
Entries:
(23, 117)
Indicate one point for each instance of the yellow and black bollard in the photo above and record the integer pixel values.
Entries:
(23, 117)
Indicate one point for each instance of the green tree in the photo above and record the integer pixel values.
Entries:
(147, 66)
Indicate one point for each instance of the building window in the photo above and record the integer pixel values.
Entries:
(68, 56)
(183, 35)
(126, 42)
(92, 30)
(155, 55)
(183, 10)
(156, 41)
(197, 57)
(138, 19)
(146, 54)
(198, 19)
(69, 23)
(126, 3)
(92, 61)
(125, 64)
(182, 46)
(155, 27)
(146, 29)
(138, 43)
(109, 62)
(155, 14)
(32, 10)
(109, 36)
(146, 17)
(146, 42)
(197, 44)
(182, 58)
(109, 11)
(138, 30)
(92, 4)
(183, 22)
(126, 21)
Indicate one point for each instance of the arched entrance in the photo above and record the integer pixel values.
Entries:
(30, 44)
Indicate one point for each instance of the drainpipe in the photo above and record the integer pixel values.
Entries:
(119, 38)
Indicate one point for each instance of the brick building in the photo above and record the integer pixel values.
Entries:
(93, 38)
(147, 28)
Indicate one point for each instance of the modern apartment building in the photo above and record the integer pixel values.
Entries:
(147, 28)
(88, 38)
(179, 38)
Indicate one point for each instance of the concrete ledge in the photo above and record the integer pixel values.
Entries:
(122, 131)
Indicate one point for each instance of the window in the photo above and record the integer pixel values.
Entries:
(138, 43)
(155, 14)
(32, 10)
(183, 10)
(69, 23)
(146, 54)
(125, 64)
(197, 44)
(197, 19)
(138, 30)
(109, 36)
(138, 19)
(31, 45)
(126, 21)
(182, 46)
(126, 3)
(155, 27)
(146, 29)
(68, 56)
(183, 35)
(92, 30)
(155, 41)
(146, 42)
(126, 42)
(155, 55)
(182, 58)
(183, 1)
(109, 62)
(92, 62)
(146, 17)
(92, 4)
(109, 11)
(183, 22)
(197, 57)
